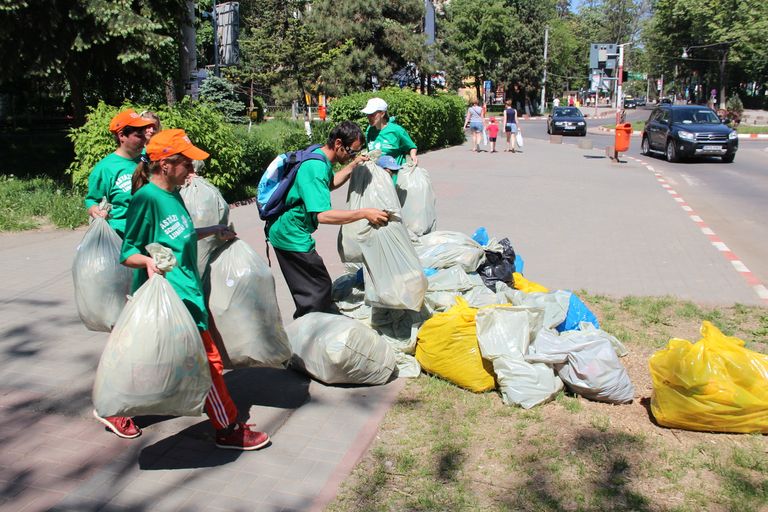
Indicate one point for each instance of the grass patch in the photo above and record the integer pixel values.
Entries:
(31, 203)
(748, 128)
(637, 126)
(443, 448)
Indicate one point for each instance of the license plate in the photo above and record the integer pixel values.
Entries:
(713, 148)
(570, 127)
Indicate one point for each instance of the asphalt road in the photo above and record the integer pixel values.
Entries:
(732, 199)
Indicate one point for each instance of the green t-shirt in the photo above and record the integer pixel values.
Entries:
(111, 178)
(156, 215)
(309, 195)
(392, 140)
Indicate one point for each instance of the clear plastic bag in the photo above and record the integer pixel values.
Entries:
(206, 207)
(504, 333)
(101, 282)
(243, 305)
(154, 361)
(445, 249)
(392, 274)
(370, 186)
(417, 199)
(587, 363)
(338, 350)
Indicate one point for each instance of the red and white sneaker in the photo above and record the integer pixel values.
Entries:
(240, 437)
(122, 426)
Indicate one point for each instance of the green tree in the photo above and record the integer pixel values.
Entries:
(221, 97)
(93, 48)
(726, 38)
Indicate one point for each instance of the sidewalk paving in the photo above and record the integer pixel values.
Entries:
(578, 220)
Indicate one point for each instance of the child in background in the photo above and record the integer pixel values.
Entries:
(493, 132)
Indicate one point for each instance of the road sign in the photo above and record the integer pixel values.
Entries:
(487, 85)
(633, 75)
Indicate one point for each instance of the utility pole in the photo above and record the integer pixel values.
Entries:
(619, 100)
(544, 81)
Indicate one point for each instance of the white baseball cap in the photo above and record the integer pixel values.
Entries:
(374, 105)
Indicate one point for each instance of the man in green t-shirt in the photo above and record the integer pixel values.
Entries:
(111, 177)
(309, 204)
(390, 138)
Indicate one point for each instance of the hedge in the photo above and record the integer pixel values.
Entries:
(431, 121)
(225, 168)
(239, 156)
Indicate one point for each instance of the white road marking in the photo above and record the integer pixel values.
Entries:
(721, 246)
(740, 267)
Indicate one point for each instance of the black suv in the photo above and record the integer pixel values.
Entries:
(684, 131)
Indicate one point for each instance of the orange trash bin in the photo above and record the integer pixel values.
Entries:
(623, 133)
(322, 112)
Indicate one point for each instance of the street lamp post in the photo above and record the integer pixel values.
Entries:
(722, 63)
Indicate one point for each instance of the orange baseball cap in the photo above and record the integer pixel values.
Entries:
(167, 143)
(128, 117)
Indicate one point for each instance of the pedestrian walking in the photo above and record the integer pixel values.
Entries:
(391, 138)
(556, 102)
(493, 133)
(474, 120)
(157, 215)
(509, 120)
(310, 205)
(111, 176)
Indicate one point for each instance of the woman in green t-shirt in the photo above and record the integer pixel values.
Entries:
(157, 214)
(391, 138)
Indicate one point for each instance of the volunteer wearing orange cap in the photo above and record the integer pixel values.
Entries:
(111, 177)
(157, 214)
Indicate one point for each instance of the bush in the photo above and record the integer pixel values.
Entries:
(431, 121)
(206, 127)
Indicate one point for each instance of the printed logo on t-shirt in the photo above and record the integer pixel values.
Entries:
(377, 144)
(123, 182)
(172, 227)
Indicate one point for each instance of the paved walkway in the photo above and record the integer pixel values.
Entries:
(578, 220)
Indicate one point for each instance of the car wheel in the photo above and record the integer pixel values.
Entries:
(727, 159)
(671, 152)
(645, 147)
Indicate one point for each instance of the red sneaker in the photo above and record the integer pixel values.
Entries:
(240, 437)
(122, 426)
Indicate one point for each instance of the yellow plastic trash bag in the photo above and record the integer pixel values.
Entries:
(447, 346)
(527, 286)
(713, 385)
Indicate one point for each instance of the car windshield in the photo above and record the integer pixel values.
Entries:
(567, 112)
(695, 116)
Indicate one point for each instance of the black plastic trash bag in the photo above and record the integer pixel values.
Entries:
(499, 265)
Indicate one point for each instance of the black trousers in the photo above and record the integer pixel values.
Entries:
(308, 281)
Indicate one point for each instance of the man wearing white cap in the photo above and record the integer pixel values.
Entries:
(390, 138)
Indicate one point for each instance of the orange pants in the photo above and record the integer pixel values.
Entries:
(219, 406)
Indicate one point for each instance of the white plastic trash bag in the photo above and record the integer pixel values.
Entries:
(335, 349)
(370, 186)
(519, 139)
(392, 273)
(453, 279)
(554, 304)
(206, 207)
(587, 363)
(154, 361)
(444, 249)
(243, 305)
(101, 282)
(417, 199)
(504, 334)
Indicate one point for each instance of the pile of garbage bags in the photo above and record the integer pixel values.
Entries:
(457, 306)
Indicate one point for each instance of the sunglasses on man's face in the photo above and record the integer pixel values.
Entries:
(351, 151)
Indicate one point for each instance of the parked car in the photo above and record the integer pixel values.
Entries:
(640, 101)
(566, 120)
(665, 101)
(630, 103)
(686, 131)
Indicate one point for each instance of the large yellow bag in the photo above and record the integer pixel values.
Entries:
(447, 346)
(714, 385)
